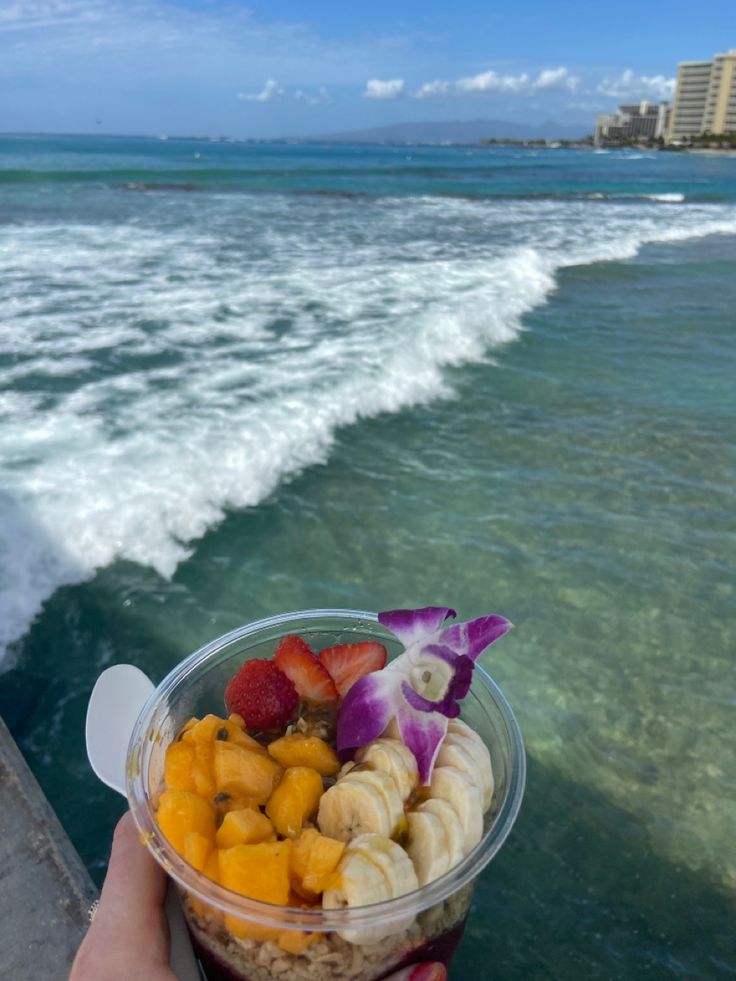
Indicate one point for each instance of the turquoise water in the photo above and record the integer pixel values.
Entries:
(500, 379)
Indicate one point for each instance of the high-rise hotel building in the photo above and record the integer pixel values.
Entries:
(705, 97)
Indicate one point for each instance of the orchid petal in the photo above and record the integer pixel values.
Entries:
(410, 626)
(366, 710)
(457, 688)
(463, 677)
(474, 636)
(423, 733)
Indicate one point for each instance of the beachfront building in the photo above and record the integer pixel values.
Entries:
(705, 98)
(640, 122)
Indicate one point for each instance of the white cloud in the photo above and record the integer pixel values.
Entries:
(488, 81)
(392, 88)
(270, 91)
(322, 98)
(491, 82)
(629, 85)
(548, 79)
(556, 78)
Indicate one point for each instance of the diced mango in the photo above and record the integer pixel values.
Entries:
(178, 767)
(240, 772)
(300, 750)
(244, 827)
(225, 802)
(212, 866)
(314, 858)
(197, 849)
(324, 857)
(297, 941)
(202, 769)
(212, 728)
(180, 812)
(295, 800)
(257, 871)
(300, 853)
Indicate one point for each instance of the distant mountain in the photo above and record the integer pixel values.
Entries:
(470, 131)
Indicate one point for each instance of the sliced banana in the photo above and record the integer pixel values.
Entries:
(459, 790)
(463, 753)
(350, 808)
(457, 730)
(392, 757)
(392, 730)
(373, 868)
(427, 847)
(451, 824)
(391, 858)
(382, 784)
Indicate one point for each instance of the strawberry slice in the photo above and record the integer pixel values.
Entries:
(299, 663)
(348, 663)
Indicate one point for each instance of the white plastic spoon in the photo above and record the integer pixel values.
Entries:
(114, 705)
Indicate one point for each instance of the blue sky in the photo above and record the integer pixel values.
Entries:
(279, 68)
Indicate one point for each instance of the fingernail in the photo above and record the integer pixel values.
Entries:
(434, 971)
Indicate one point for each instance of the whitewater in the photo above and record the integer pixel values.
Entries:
(169, 357)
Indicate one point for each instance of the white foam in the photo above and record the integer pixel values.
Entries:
(172, 391)
(673, 197)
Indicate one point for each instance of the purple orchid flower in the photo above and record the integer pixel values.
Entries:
(422, 687)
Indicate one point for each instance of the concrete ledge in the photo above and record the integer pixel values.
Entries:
(45, 890)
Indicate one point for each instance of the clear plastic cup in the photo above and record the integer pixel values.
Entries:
(241, 939)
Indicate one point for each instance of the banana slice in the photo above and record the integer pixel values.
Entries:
(428, 846)
(372, 869)
(392, 731)
(451, 824)
(464, 754)
(358, 882)
(458, 730)
(350, 808)
(392, 757)
(459, 790)
(385, 786)
(391, 858)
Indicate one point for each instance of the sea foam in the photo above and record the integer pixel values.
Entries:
(163, 372)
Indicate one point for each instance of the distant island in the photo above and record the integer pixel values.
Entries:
(456, 131)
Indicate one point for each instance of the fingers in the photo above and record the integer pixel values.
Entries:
(128, 936)
(135, 885)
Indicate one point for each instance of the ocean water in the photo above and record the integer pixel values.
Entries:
(237, 380)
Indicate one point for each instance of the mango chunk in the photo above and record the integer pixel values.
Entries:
(202, 769)
(212, 728)
(178, 766)
(323, 860)
(180, 812)
(314, 858)
(300, 750)
(257, 871)
(225, 802)
(244, 827)
(300, 853)
(295, 800)
(239, 771)
(197, 849)
(212, 866)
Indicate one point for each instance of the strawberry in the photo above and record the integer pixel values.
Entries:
(299, 663)
(348, 663)
(262, 695)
